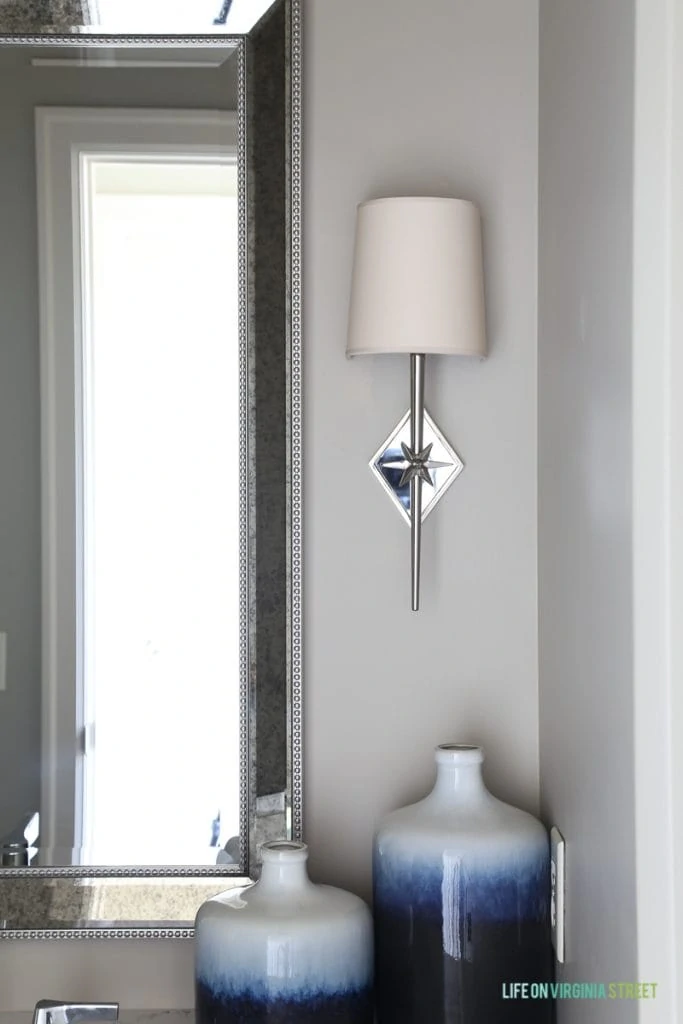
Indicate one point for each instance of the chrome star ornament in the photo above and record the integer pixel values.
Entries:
(417, 464)
(395, 464)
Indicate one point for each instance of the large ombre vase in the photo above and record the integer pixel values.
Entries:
(461, 884)
(284, 951)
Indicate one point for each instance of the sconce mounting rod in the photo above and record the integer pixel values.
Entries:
(417, 405)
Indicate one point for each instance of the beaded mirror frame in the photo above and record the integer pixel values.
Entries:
(160, 902)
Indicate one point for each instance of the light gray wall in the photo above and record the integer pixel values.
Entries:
(433, 97)
(437, 98)
(22, 88)
(585, 479)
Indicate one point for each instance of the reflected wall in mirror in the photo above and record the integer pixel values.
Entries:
(151, 426)
(137, 218)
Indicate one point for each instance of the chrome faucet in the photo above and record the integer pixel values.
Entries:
(17, 848)
(52, 1011)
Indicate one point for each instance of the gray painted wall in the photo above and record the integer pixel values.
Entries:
(437, 97)
(585, 479)
(22, 88)
(442, 100)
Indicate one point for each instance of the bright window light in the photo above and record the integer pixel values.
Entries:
(161, 530)
(177, 15)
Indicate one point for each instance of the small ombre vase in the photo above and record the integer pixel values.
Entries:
(284, 951)
(461, 884)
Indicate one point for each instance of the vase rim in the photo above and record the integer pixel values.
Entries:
(459, 753)
(284, 851)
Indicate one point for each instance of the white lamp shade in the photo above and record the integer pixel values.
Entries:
(418, 282)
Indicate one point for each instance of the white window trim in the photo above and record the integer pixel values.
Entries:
(65, 137)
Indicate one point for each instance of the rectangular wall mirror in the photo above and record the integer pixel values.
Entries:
(150, 382)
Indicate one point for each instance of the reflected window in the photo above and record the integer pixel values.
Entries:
(161, 515)
(138, 224)
(177, 16)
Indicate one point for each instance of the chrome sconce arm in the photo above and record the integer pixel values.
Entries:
(418, 457)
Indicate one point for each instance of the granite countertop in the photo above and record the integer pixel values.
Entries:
(125, 1017)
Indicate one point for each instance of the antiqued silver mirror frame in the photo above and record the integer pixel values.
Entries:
(160, 902)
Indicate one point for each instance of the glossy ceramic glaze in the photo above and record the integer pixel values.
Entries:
(284, 950)
(461, 886)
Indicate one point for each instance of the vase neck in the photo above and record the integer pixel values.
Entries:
(458, 773)
(284, 866)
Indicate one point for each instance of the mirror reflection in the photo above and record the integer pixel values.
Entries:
(132, 17)
(119, 257)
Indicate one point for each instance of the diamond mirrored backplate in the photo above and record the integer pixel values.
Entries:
(389, 462)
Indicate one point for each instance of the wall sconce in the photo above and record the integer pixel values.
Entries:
(417, 288)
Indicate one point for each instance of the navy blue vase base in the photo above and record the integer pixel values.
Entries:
(420, 982)
(353, 1008)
